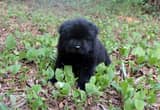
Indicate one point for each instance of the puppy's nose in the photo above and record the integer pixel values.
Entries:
(77, 46)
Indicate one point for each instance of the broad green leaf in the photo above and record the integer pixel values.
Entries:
(126, 89)
(116, 86)
(10, 42)
(79, 95)
(14, 68)
(102, 80)
(124, 50)
(140, 95)
(68, 69)
(93, 80)
(69, 77)
(3, 106)
(83, 95)
(141, 59)
(139, 51)
(32, 53)
(124, 86)
(129, 105)
(49, 72)
(59, 85)
(156, 86)
(101, 68)
(66, 89)
(22, 54)
(37, 103)
(42, 51)
(156, 53)
(139, 104)
(91, 89)
(76, 93)
(59, 75)
(151, 97)
(37, 88)
(111, 72)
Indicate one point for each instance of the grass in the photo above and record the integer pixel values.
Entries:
(28, 42)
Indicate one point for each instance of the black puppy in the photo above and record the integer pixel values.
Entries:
(79, 47)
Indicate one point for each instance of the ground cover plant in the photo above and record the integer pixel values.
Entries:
(28, 40)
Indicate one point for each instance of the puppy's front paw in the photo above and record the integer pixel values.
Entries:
(81, 86)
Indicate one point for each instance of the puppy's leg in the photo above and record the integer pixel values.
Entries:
(58, 64)
(84, 76)
(107, 59)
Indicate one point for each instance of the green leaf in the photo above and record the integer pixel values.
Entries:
(14, 68)
(59, 75)
(59, 85)
(126, 89)
(116, 86)
(69, 77)
(68, 69)
(93, 80)
(110, 72)
(91, 89)
(79, 95)
(124, 50)
(22, 54)
(76, 93)
(32, 53)
(141, 59)
(156, 53)
(3, 106)
(49, 72)
(139, 104)
(37, 103)
(36, 88)
(128, 105)
(10, 42)
(102, 80)
(83, 95)
(139, 51)
(101, 68)
(66, 89)
(156, 86)
(151, 97)
(140, 95)
(42, 51)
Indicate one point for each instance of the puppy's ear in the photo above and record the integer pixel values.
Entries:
(94, 29)
(61, 29)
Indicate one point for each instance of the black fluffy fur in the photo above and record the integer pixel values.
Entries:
(79, 47)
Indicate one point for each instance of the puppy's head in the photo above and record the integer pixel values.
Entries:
(77, 36)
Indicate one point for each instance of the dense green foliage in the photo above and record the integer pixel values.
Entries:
(29, 50)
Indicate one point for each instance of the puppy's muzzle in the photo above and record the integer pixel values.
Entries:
(77, 46)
